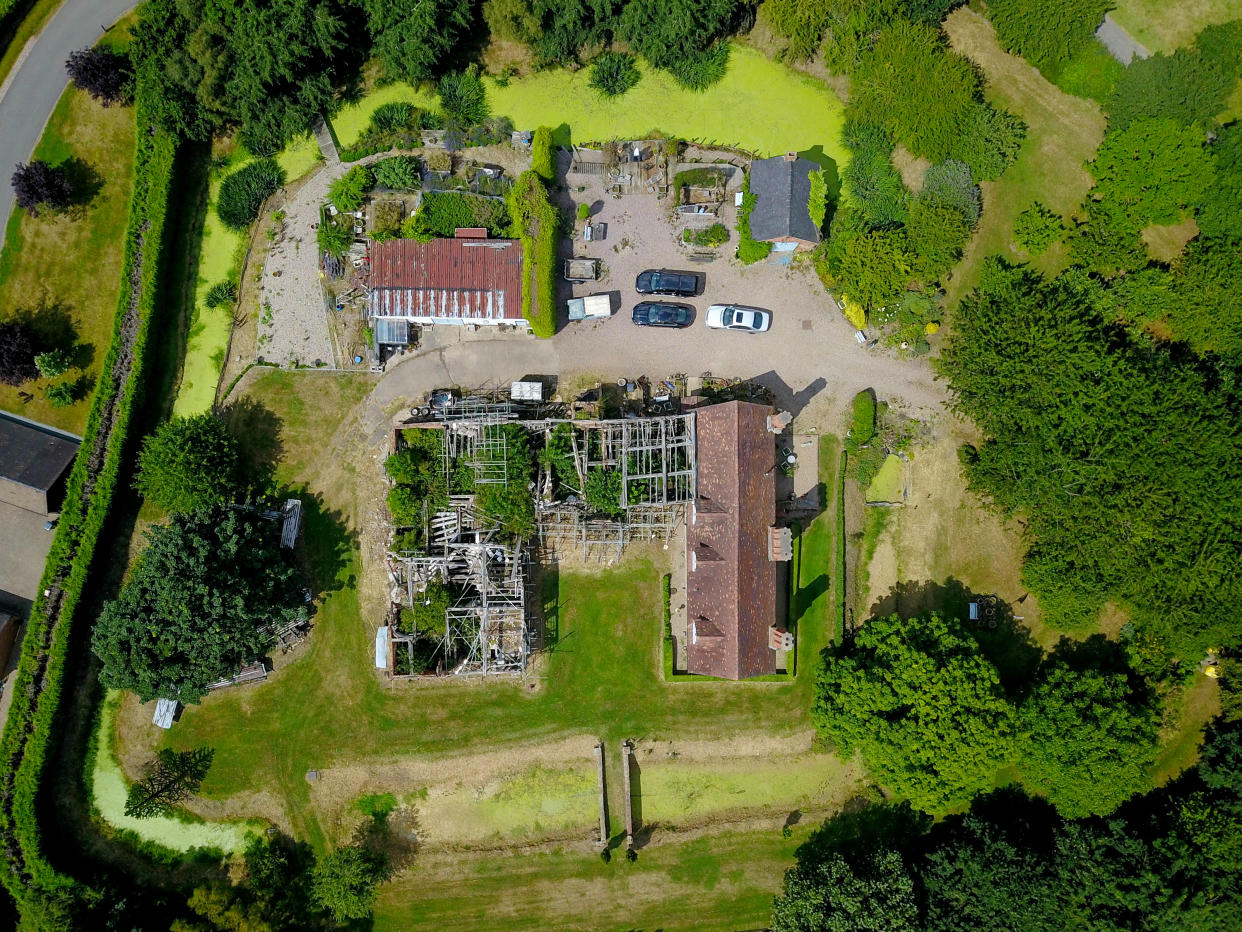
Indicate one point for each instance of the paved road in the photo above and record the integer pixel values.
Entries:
(39, 80)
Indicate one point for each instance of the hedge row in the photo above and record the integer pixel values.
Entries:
(536, 222)
(88, 497)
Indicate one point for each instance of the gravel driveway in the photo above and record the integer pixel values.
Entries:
(809, 358)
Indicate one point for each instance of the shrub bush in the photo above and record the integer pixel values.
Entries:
(614, 73)
(61, 394)
(463, 96)
(603, 491)
(536, 221)
(53, 363)
(699, 70)
(1037, 228)
(950, 183)
(443, 212)
(39, 185)
(749, 250)
(715, 235)
(399, 173)
(243, 192)
(1047, 33)
(222, 294)
(348, 192)
(394, 116)
(862, 427)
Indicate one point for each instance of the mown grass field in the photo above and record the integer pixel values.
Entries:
(62, 272)
(760, 106)
(1162, 25)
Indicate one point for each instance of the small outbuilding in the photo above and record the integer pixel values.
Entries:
(34, 463)
(782, 212)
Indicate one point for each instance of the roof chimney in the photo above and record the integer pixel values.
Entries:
(791, 156)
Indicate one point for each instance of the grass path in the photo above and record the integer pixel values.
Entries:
(63, 273)
(760, 106)
(1162, 25)
(1063, 132)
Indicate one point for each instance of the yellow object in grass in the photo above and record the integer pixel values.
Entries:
(932, 327)
(853, 313)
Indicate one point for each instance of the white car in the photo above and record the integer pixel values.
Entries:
(738, 317)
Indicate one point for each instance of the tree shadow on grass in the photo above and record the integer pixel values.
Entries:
(257, 429)
(1003, 639)
(328, 544)
(84, 182)
(862, 827)
(54, 327)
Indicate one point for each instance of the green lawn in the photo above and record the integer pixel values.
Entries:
(1162, 25)
(63, 273)
(219, 259)
(888, 482)
(760, 106)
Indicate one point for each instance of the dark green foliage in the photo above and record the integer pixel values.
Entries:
(1124, 499)
(697, 71)
(935, 237)
(1047, 33)
(869, 891)
(510, 503)
(1086, 732)
(195, 605)
(1092, 73)
(1107, 240)
(872, 268)
(445, 211)
(1187, 86)
(61, 394)
(418, 471)
(511, 20)
(923, 705)
(269, 67)
(399, 173)
(17, 353)
(910, 315)
(171, 778)
(543, 155)
(875, 188)
(222, 294)
(801, 22)
(243, 192)
(1037, 228)
(614, 73)
(862, 425)
(349, 192)
(394, 116)
(1152, 170)
(749, 249)
(603, 491)
(463, 96)
(929, 99)
(950, 183)
(413, 39)
(345, 882)
(334, 238)
(681, 36)
(190, 464)
(1218, 213)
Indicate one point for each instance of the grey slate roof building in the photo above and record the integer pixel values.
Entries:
(34, 462)
(782, 190)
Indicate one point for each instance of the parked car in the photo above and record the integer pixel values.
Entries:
(667, 281)
(663, 314)
(738, 317)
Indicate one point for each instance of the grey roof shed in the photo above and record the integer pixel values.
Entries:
(34, 460)
(782, 190)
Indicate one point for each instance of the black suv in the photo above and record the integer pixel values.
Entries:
(663, 314)
(666, 281)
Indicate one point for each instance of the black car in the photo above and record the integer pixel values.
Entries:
(667, 281)
(663, 314)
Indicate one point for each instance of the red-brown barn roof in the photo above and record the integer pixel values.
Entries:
(447, 280)
(731, 583)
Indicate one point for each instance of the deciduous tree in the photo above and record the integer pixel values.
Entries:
(38, 186)
(345, 882)
(190, 464)
(17, 353)
(871, 892)
(414, 38)
(105, 75)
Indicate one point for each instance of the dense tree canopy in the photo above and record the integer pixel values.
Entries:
(1152, 170)
(345, 882)
(1086, 735)
(413, 38)
(1120, 455)
(875, 893)
(197, 605)
(1047, 33)
(38, 186)
(105, 75)
(189, 464)
(922, 704)
(268, 66)
(18, 347)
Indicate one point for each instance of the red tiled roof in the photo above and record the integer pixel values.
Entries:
(447, 279)
(731, 583)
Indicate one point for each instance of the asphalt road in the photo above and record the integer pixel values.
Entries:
(39, 80)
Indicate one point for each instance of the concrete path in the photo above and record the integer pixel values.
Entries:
(1119, 43)
(39, 79)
